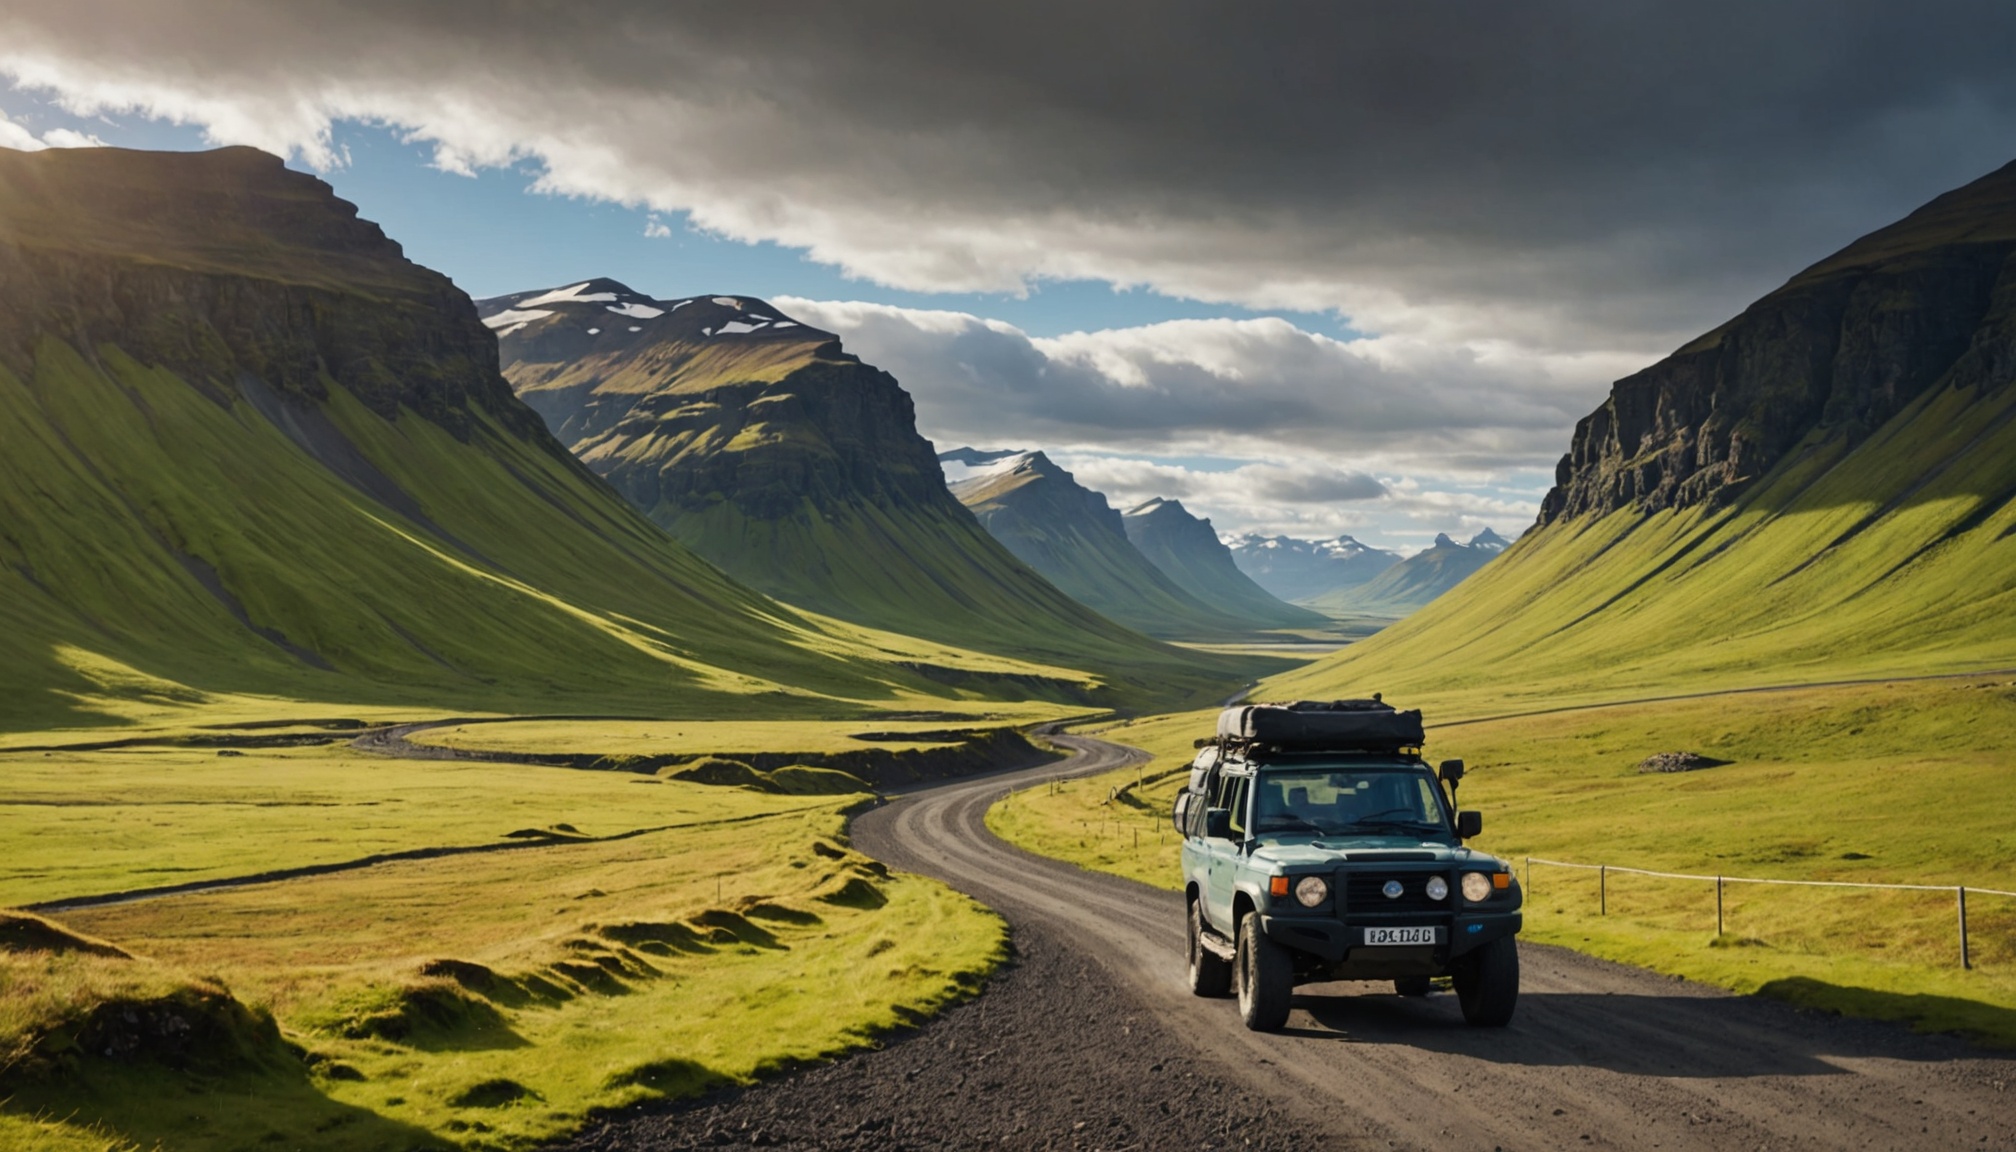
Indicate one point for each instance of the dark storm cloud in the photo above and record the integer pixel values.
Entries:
(1567, 177)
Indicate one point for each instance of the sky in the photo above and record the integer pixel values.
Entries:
(1313, 268)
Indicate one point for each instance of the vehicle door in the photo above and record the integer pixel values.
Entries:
(1223, 855)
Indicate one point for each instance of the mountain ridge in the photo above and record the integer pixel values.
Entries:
(1851, 543)
(1187, 549)
(1075, 538)
(250, 448)
(762, 444)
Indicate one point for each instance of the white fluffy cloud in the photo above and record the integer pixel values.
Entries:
(18, 136)
(1254, 423)
(1261, 390)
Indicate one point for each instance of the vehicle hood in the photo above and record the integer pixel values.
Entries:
(1330, 851)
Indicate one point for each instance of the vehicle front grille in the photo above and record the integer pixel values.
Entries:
(1364, 893)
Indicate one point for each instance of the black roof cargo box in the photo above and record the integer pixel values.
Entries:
(1318, 725)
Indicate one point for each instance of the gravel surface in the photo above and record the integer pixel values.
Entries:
(1054, 1055)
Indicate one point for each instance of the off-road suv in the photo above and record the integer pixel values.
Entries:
(1319, 845)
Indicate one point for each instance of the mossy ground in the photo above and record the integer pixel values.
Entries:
(629, 937)
(1895, 783)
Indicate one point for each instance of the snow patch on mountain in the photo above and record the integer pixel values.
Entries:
(569, 295)
(962, 464)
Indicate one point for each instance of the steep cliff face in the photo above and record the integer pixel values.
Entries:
(219, 264)
(764, 446)
(1839, 350)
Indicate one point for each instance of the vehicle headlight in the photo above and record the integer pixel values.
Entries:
(1476, 887)
(1437, 888)
(1311, 891)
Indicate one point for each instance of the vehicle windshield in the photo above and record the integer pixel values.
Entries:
(1334, 801)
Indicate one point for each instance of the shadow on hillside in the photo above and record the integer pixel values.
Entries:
(1988, 1024)
(148, 1106)
(1705, 1037)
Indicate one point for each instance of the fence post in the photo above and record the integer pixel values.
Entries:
(1529, 877)
(1718, 905)
(1602, 889)
(1965, 961)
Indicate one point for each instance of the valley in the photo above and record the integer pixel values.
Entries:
(571, 716)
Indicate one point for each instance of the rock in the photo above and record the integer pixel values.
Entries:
(1679, 762)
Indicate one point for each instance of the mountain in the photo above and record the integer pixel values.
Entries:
(1294, 569)
(1824, 487)
(1407, 586)
(764, 446)
(1073, 537)
(1188, 551)
(248, 448)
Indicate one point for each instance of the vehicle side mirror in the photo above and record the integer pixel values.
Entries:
(1218, 823)
(1469, 824)
(1182, 814)
(1451, 771)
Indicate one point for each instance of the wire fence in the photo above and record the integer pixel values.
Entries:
(1603, 871)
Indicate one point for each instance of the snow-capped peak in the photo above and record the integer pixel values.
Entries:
(961, 464)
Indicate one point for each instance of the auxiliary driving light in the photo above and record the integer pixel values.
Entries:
(1476, 887)
(1311, 891)
(1437, 888)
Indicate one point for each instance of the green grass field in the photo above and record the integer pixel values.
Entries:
(612, 938)
(1896, 783)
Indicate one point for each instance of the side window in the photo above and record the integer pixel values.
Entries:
(1431, 798)
(1239, 801)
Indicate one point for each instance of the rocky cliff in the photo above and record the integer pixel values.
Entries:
(222, 264)
(767, 448)
(1839, 350)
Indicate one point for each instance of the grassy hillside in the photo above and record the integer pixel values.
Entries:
(1891, 557)
(1822, 488)
(1069, 534)
(1187, 550)
(763, 446)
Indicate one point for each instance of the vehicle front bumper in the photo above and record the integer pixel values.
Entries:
(1337, 945)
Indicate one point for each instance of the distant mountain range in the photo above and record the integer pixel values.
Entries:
(1408, 586)
(1295, 569)
(764, 446)
(1188, 550)
(1824, 487)
(1071, 535)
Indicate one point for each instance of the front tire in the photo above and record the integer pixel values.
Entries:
(1209, 975)
(1487, 986)
(1266, 978)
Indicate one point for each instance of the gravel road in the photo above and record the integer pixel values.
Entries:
(1091, 1041)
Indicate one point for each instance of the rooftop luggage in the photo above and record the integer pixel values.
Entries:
(1317, 725)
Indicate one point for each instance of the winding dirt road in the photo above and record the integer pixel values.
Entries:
(1600, 1055)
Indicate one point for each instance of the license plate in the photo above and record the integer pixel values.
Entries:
(1377, 936)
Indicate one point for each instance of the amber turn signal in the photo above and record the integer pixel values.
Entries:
(1278, 886)
(1501, 880)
